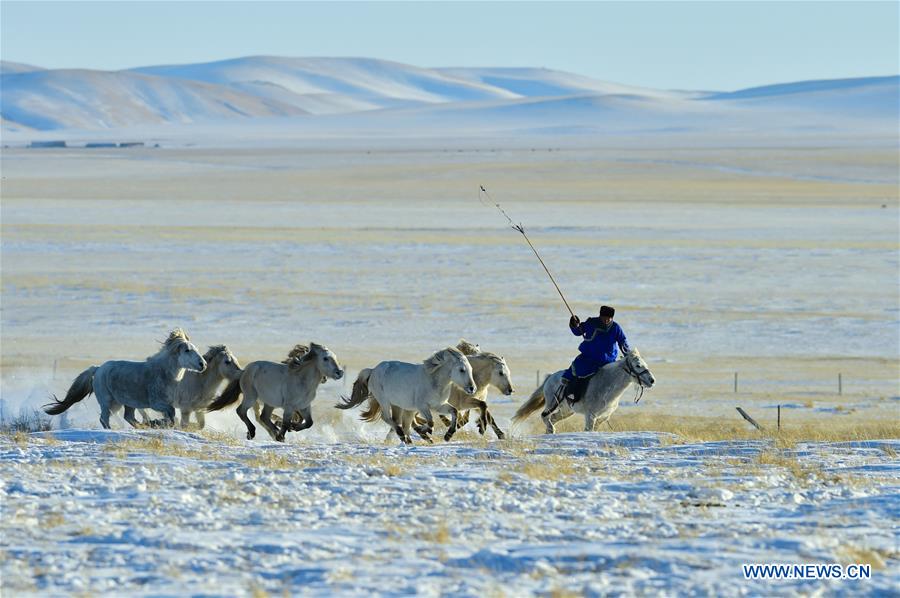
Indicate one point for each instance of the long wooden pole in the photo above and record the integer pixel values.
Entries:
(521, 229)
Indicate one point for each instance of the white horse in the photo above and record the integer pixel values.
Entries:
(601, 397)
(488, 369)
(291, 386)
(136, 384)
(198, 389)
(414, 388)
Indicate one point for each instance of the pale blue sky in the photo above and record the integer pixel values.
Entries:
(689, 45)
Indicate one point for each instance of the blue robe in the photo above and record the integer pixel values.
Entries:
(597, 349)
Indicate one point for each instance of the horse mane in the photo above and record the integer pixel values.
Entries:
(492, 356)
(467, 348)
(175, 338)
(472, 350)
(438, 359)
(213, 351)
(300, 355)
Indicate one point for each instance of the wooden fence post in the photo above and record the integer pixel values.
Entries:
(735, 382)
(749, 419)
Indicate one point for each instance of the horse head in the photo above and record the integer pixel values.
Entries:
(500, 377)
(224, 362)
(637, 368)
(326, 361)
(186, 354)
(460, 370)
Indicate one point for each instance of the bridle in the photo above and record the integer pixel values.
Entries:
(636, 374)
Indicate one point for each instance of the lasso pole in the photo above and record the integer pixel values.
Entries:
(521, 229)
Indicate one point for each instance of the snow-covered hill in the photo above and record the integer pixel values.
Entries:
(863, 98)
(327, 85)
(85, 99)
(343, 95)
(9, 68)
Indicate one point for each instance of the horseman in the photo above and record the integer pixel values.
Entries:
(601, 336)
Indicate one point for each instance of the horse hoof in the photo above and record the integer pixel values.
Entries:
(447, 437)
(500, 435)
(250, 435)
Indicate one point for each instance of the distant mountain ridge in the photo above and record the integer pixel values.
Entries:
(343, 93)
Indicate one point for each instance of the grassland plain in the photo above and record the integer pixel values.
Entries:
(776, 263)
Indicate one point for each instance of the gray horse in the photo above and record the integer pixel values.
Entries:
(291, 386)
(601, 398)
(148, 384)
(198, 389)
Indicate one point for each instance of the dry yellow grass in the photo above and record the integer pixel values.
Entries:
(850, 554)
(549, 467)
(516, 447)
(439, 534)
(277, 460)
(20, 438)
(787, 461)
(390, 465)
(706, 429)
(158, 444)
(52, 519)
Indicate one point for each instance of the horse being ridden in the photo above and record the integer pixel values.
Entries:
(291, 386)
(601, 335)
(601, 397)
(136, 384)
(198, 389)
(413, 388)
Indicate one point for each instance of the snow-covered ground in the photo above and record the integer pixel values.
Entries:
(175, 513)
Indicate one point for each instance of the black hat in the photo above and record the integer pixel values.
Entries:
(607, 311)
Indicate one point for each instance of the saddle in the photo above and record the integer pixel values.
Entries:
(577, 387)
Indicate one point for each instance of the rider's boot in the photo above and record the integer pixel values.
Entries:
(561, 394)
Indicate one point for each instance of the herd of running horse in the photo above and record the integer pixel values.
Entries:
(406, 396)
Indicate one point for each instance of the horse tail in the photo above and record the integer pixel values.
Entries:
(373, 411)
(360, 391)
(230, 395)
(81, 387)
(533, 403)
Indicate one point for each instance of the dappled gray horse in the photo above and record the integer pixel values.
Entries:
(148, 384)
(198, 389)
(291, 386)
(413, 388)
(601, 398)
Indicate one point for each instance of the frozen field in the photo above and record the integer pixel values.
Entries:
(144, 513)
(779, 263)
